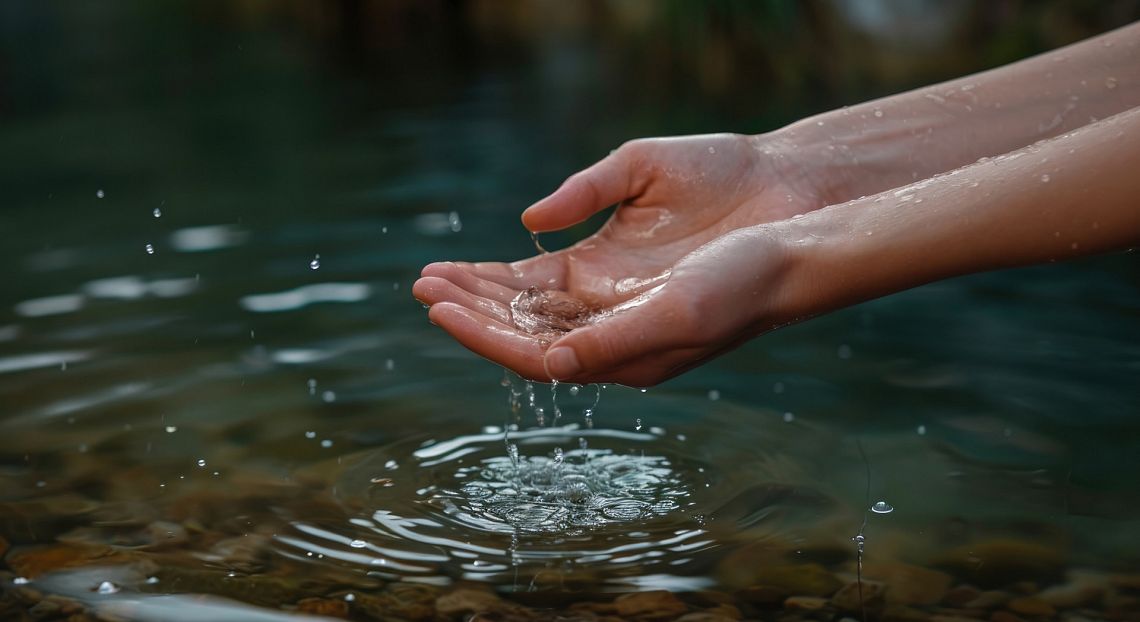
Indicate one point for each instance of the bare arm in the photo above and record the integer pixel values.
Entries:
(893, 141)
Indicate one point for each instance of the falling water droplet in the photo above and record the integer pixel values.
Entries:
(882, 507)
(310, 434)
(389, 364)
(714, 395)
(315, 264)
(107, 587)
(171, 429)
(921, 430)
(312, 386)
(789, 417)
(201, 462)
(350, 597)
(99, 194)
(328, 397)
(149, 249)
(326, 443)
(157, 213)
(358, 544)
(637, 425)
(454, 222)
(513, 452)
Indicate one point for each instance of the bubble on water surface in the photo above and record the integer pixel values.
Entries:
(358, 544)
(107, 587)
(882, 507)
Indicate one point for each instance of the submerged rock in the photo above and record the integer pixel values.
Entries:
(655, 605)
(910, 584)
(997, 563)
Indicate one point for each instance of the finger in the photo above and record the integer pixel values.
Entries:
(466, 279)
(649, 324)
(432, 290)
(491, 339)
(547, 271)
(587, 192)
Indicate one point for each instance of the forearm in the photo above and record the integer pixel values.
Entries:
(892, 141)
(1073, 195)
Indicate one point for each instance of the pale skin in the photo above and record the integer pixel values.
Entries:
(720, 238)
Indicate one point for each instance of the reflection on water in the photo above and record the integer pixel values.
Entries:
(354, 456)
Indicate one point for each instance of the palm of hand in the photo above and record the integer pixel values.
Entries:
(676, 195)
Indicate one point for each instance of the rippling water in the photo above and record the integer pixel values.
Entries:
(211, 363)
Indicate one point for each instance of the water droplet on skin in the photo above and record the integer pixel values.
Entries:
(358, 544)
(882, 507)
(878, 113)
(171, 429)
(107, 587)
(149, 249)
(201, 462)
(1045, 178)
(789, 417)
(921, 430)
(1110, 82)
(315, 264)
(157, 213)
(99, 194)
(714, 395)
(712, 149)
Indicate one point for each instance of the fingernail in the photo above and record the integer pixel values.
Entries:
(561, 363)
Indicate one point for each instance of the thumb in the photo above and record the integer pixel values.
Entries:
(586, 193)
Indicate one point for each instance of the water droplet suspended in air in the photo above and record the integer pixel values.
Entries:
(315, 264)
(454, 222)
(107, 587)
(311, 434)
(714, 395)
(157, 213)
(921, 430)
(882, 507)
(637, 425)
(99, 194)
(201, 462)
(171, 429)
(326, 443)
(789, 417)
(358, 544)
(149, 249)
(312, 386)
(328, 397)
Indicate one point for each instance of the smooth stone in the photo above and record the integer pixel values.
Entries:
(32, 562)
(323, 607)
(1073, 595)
(1030, 606)
(991, 599)
(874, 597)
(910, 584)
(726, 610)
(960, 595)
(650, 605)
(805, 603)
(897, 613)
(997, 563)
(799, 579)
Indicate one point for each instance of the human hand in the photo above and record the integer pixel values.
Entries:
(669, 281)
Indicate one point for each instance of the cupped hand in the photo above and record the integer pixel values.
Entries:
(677, 274)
